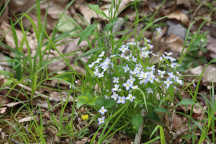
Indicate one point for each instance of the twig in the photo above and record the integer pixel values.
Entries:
(38, 94)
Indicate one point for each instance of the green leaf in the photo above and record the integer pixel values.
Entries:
(162, 136)
(186, 102)
(97, 10)
(67, 24)
(84, 35)
(137, 121)
(160, 109)
(87, 99)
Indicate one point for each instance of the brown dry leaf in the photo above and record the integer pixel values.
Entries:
(212, 46)
(175, 43)
(209, 74)
(65, 48)
(4, 100)
(20, 5)
(180, 16)
(10, 40)
(83, 141)
(88, 13)
(26, 119)
(59, 96)
(197, 70)
(177, 122)
(123, 5)
(12, 104)
(186, 3)
(54, 10)
(198, 112)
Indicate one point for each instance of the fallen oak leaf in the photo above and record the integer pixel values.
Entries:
(175, 43)
(180, 16)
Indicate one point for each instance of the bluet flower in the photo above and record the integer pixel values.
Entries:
(121, 100)
(102, 110)
(130, 97)
(101, 120)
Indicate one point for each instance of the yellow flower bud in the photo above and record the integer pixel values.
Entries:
(84, 117)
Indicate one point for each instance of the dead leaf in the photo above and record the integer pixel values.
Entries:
(10, 40)
(59, 96)
(209, 74)
(211, 46)
(196, 70)
(177, 122)
(4, 100)
(26, 119)
(54, 10)
(87, 13)
(186, 3)
(124, 4)
(3, 110)
(175, 43)
(83, 141)
(180, 16)
(20, 5)
(12, 104)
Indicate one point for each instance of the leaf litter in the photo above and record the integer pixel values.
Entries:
(173, 37)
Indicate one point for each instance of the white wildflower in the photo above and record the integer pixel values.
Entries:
(102, 110)
(115, 79)
(121, 100)
(114, 96)
(130, 97)
(101, 120)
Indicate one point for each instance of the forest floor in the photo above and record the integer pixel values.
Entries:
(50, 92)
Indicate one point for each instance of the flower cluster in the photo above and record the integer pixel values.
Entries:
(131, 70)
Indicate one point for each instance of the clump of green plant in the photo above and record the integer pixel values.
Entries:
(125, 75)
(196, 50)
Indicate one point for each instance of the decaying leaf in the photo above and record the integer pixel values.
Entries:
(87, 13)
(26, 119)
(10, 39)
(209, 74)
(186, 3)
(175, 43)
(54, 10)
(12, 104)
(4, 100)
(3, 110)
(211, 46)
(180, 16)
(59, 96)
(20, 5)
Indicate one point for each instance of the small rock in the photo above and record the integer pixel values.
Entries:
(176, 29)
